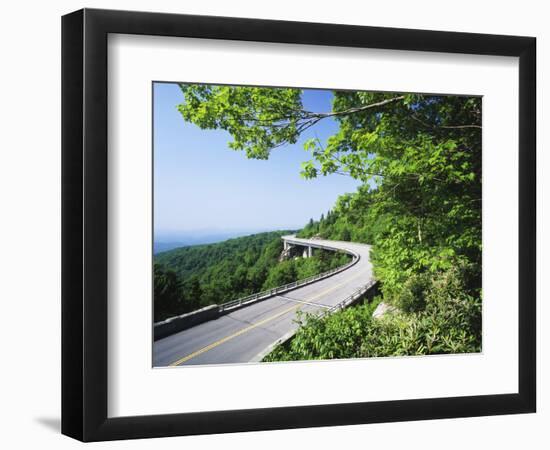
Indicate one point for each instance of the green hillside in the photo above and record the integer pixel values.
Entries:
(189, 278)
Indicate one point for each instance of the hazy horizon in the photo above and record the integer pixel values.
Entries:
(177, 236)
(167, 242)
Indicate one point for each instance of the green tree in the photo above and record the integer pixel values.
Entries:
(282, 273)
(346, 235)
(167, 292)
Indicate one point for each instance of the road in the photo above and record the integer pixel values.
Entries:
(246, 334)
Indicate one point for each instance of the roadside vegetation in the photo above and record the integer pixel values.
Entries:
(448, 322)
(419, 160)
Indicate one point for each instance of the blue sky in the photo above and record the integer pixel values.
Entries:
(201, 185)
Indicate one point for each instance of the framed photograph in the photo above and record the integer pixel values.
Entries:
(273, 224)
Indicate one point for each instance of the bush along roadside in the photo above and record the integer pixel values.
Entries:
(432, 315)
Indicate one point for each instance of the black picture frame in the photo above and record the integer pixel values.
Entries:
(84, 224)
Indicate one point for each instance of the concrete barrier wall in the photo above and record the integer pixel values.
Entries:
(180, 323)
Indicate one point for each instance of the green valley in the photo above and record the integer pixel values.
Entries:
(189, 278)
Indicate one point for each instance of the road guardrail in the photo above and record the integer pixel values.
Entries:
(287, 287)
(352, 298)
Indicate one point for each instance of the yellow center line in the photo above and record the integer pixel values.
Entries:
(258, 324)
(227, 338)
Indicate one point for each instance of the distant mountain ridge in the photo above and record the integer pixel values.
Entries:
(170, 242)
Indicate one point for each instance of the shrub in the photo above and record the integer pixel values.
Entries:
(412, 296)
(449, 322)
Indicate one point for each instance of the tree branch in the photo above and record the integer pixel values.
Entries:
(460, 126)
(434, 127)
(358, 108)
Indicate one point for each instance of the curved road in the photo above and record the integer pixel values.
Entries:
(247, 334)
